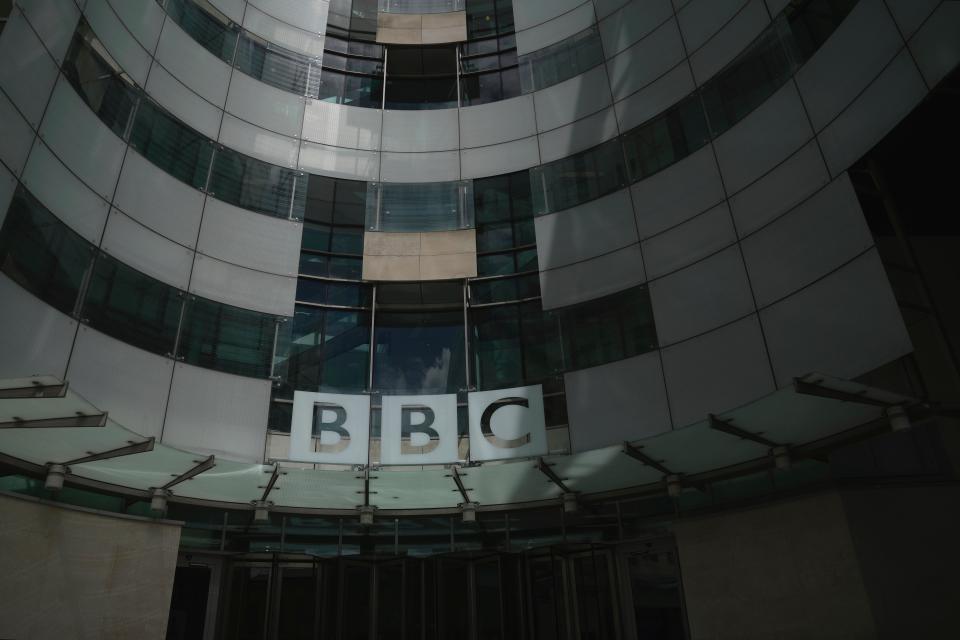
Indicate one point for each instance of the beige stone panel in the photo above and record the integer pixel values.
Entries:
(391, 268)
(387, 243)
(444, 35)
(399, 21)
(438, 243)
(446, 267)
(71, 574)
(399, 36)
(445, 20)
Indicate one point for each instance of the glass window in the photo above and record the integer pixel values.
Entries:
(42, 254)
(561, 61)
(421, 77)
(497, 346)
(208, 27)
(437, 206)
(171, 145)
(275, 66)
(350, 89)
(225, 338)
(132, 307)
(257, 185)
(419, 352)
(612, 328)
(665, 140)
(579, 178)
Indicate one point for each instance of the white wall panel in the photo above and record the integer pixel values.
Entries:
(432, 130)
(730, 41)
(936, 47)
(646, 61)
(265, 106)
(342, 125)
(780, 190)
(634, 21)
(355, 164)
(717, 371)
(16, 136)
(250, 239)
(71, 201)
(701, 297)
(438, 166)
(701, 19)
(585, 133)
(306, 14)
(35, 340)
(848, 61)
(183, 102)
(255, 141)
(690, 241)
(27, 74)
(129, 383)
(844, 325)
(806, 243)
(585, 231)
(677, 193)
(158, 200)
(527, 13)
(910, 14)
(8, 184)
(242, 287)
(614, 402)
(283, 34)
(500, 158)
(193, 65)
(593, 278)
(877, 110)
(147, 251)
(767, 136)
(78, 137)
(495, 122)
(54, 21)
(144, 18)
(120, 43)
(233, 9)
(572, 99)
(655, 98)
(218, 413)
(560, 28)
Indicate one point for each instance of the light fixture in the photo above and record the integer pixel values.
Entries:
(261, 511)
(570, 503)
(158, 500)
(469, 510)
(366, 515)
(55, 476)
(673, 485)
(899, 420)
(781, 457)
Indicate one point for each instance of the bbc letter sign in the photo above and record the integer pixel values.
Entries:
(507, 423)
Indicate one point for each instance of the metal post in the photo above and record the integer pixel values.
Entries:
(373, 329)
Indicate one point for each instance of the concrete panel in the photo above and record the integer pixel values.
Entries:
(495, 122)
(725, 45)
(387, 243)
(147, 251)
(717, 371)
(448, 266)
(79, 574)
(498, 159)
(342, 125)
(572, 99)
(438, 243)
(391, 267)
(763, 139)
(28, 73)
(37, 339)
(655, 98)
(591, 279)
(844, 325)
(614, 402)
(686, 243)
(193, 65)
(218, 413)
(54, 21)
(556, 30)
(812, 240)
(242, 287)
(646, 61)
(586, 231)
(432, 130)
(701, 297)
(129, 383)
(250, 239)
(677, 193)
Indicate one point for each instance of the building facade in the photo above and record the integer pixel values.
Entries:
(704, 248)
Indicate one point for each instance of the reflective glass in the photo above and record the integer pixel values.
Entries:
(665, 140)
(616, 327)
(519, 287)
(561, 61)
(437, 206)
(257, 185)
(207, 26)
(171, 145)
(41, 253)
(349, 89)
(277, 67)
(226, 338)
(420, 6)
(132, 307)
(419, 353)
(497, 346)
(341, 294)
(570, 181)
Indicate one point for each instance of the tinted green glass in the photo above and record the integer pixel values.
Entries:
(257, 185)
(132, 307)
(226, 338)
(612, 328)
(666, 139)
(211, 31)
(171, 145)
(41, 253)
(497, 346)
(580, 178)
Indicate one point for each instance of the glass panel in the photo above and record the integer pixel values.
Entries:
(132, 307)
(350, 89)
(561, 61)
(269, 63)
(437, 206)
(207, 26)
(580, 178)
(171, 145)
(419, 353)
(299, 617)
(420, 6)
(421, 77)
(616, 327)
(225, 338)
(258, 186)
(41, 253)
(668, 138)
(497, 346)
